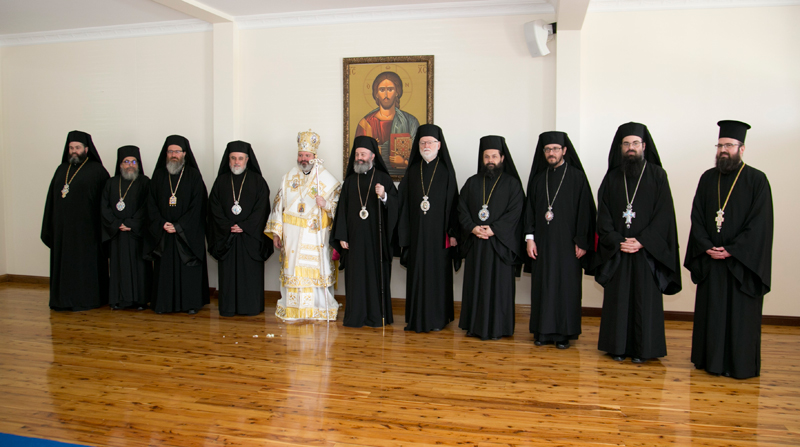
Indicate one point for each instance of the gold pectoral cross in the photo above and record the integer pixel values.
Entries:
(719, 219)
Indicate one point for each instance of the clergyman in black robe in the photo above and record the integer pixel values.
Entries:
(490, 212)
(71, 228)
(559, 228)
(364, 247)
(124, 212)
(427, 230)
(730, 259)
(637, 252)
(238, 207)
(177, 209)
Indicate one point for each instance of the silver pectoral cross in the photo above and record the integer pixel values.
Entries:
(629, 214)
(719, 219)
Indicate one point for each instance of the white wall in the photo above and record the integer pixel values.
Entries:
(4, 169)
(676, 71)
(485, 83)
(680, 72)
(122, 91)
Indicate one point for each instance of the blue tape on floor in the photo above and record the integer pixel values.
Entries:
(21, 441)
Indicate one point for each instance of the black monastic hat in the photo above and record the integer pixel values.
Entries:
(540, 160)
(639, 130)
(184, 144)
(83, 138)
(431, 130)
(239, 146)
(125, 152)
(499, 143)
(368, 143)
(733, 129)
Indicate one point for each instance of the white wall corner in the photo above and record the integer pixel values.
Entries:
(568, 84)
(4, 165)
(226, 82)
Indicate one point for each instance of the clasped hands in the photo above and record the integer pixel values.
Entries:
(718, 253)
(483, 231)
(631, 245)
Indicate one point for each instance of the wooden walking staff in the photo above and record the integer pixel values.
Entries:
(317, 162)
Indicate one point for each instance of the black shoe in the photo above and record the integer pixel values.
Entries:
(436, 329)
(192, 311)
(618, 358)
(140, 308)
(562, 344)
(638, 360)
(726, 374)
(495, 338)
(116, 306)
(542, 343)
(471, 334)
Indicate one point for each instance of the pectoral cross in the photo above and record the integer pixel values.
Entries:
(629, 214)
(719, 219)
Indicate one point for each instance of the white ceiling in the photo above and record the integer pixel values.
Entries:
(20, 18)
(32, 16)
(29, 16)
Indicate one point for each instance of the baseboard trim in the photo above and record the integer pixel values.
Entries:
(27, 279)
(275, 295)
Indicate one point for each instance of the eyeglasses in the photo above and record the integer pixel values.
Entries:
(174, 152)
(129, 162)
(428, 143)
(633, 144)
(727, 146)
(552, 149)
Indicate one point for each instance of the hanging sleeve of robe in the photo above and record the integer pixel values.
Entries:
(746, 232)
(71, 228)
(184, 248)
(487, 305)
(252, 219)
(505, 219)
(131, 275)
(728, 307)
(360, 261)
(556, 277)
(241, 256)
(423, 237)
(632, 323)
(654, 226)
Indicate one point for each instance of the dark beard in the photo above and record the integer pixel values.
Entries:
(75, 160)
(491, 172)
(632, 166)
(726, 165)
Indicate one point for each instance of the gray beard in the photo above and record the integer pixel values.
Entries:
(306, 169)
(174, 167)
(130, 176)
(362, 168)
(238, 171)
(75, 160)
(430, 156)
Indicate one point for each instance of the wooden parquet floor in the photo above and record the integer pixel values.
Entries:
(127, 378)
